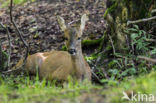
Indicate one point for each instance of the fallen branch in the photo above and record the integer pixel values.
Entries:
(13, 71)
(9, 39)
(19, 33)
(141, 20)
(96, 76)
(147, 59)
(150, 40)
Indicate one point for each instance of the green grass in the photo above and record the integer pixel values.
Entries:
(144, 84)
(24, 90)
(5, 3)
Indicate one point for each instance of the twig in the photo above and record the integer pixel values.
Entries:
(19, 33)
(147, 59)
(150, 40)
(96, 76)
(150, 31)
(9, 39)
(18, 70)
(141, 20)
(104, 72)
(114, 51)
(132, 47)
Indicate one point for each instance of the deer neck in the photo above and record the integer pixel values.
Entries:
(79, 63)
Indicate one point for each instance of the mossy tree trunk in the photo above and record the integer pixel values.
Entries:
(119, 12)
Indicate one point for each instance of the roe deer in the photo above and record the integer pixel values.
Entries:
(58, 65)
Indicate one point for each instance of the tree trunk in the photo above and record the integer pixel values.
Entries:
(119, 12)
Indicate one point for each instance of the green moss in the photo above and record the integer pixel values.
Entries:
(87, 43)
(112, 8)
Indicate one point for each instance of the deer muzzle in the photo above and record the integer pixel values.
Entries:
(72, 51)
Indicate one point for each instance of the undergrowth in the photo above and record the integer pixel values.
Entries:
(23, 90)
(120, 65)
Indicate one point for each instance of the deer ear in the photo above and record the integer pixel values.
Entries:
(61, 23)
(84, 18)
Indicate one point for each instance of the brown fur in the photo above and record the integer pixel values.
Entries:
(52, 65)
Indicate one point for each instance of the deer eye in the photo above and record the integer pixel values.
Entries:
(79, 38)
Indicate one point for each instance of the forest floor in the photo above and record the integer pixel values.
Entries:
(40, 29)
(39, 25)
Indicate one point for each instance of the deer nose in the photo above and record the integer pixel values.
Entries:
(72, 51)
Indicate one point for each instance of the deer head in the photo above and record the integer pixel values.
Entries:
(73, 35)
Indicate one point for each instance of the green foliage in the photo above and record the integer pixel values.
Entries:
(5, 3)
(124, 65)
(120, 68)
(143, 84)
(153, 51)
(91, 58)
(110, 82)
(64, 48)
(139, 38)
